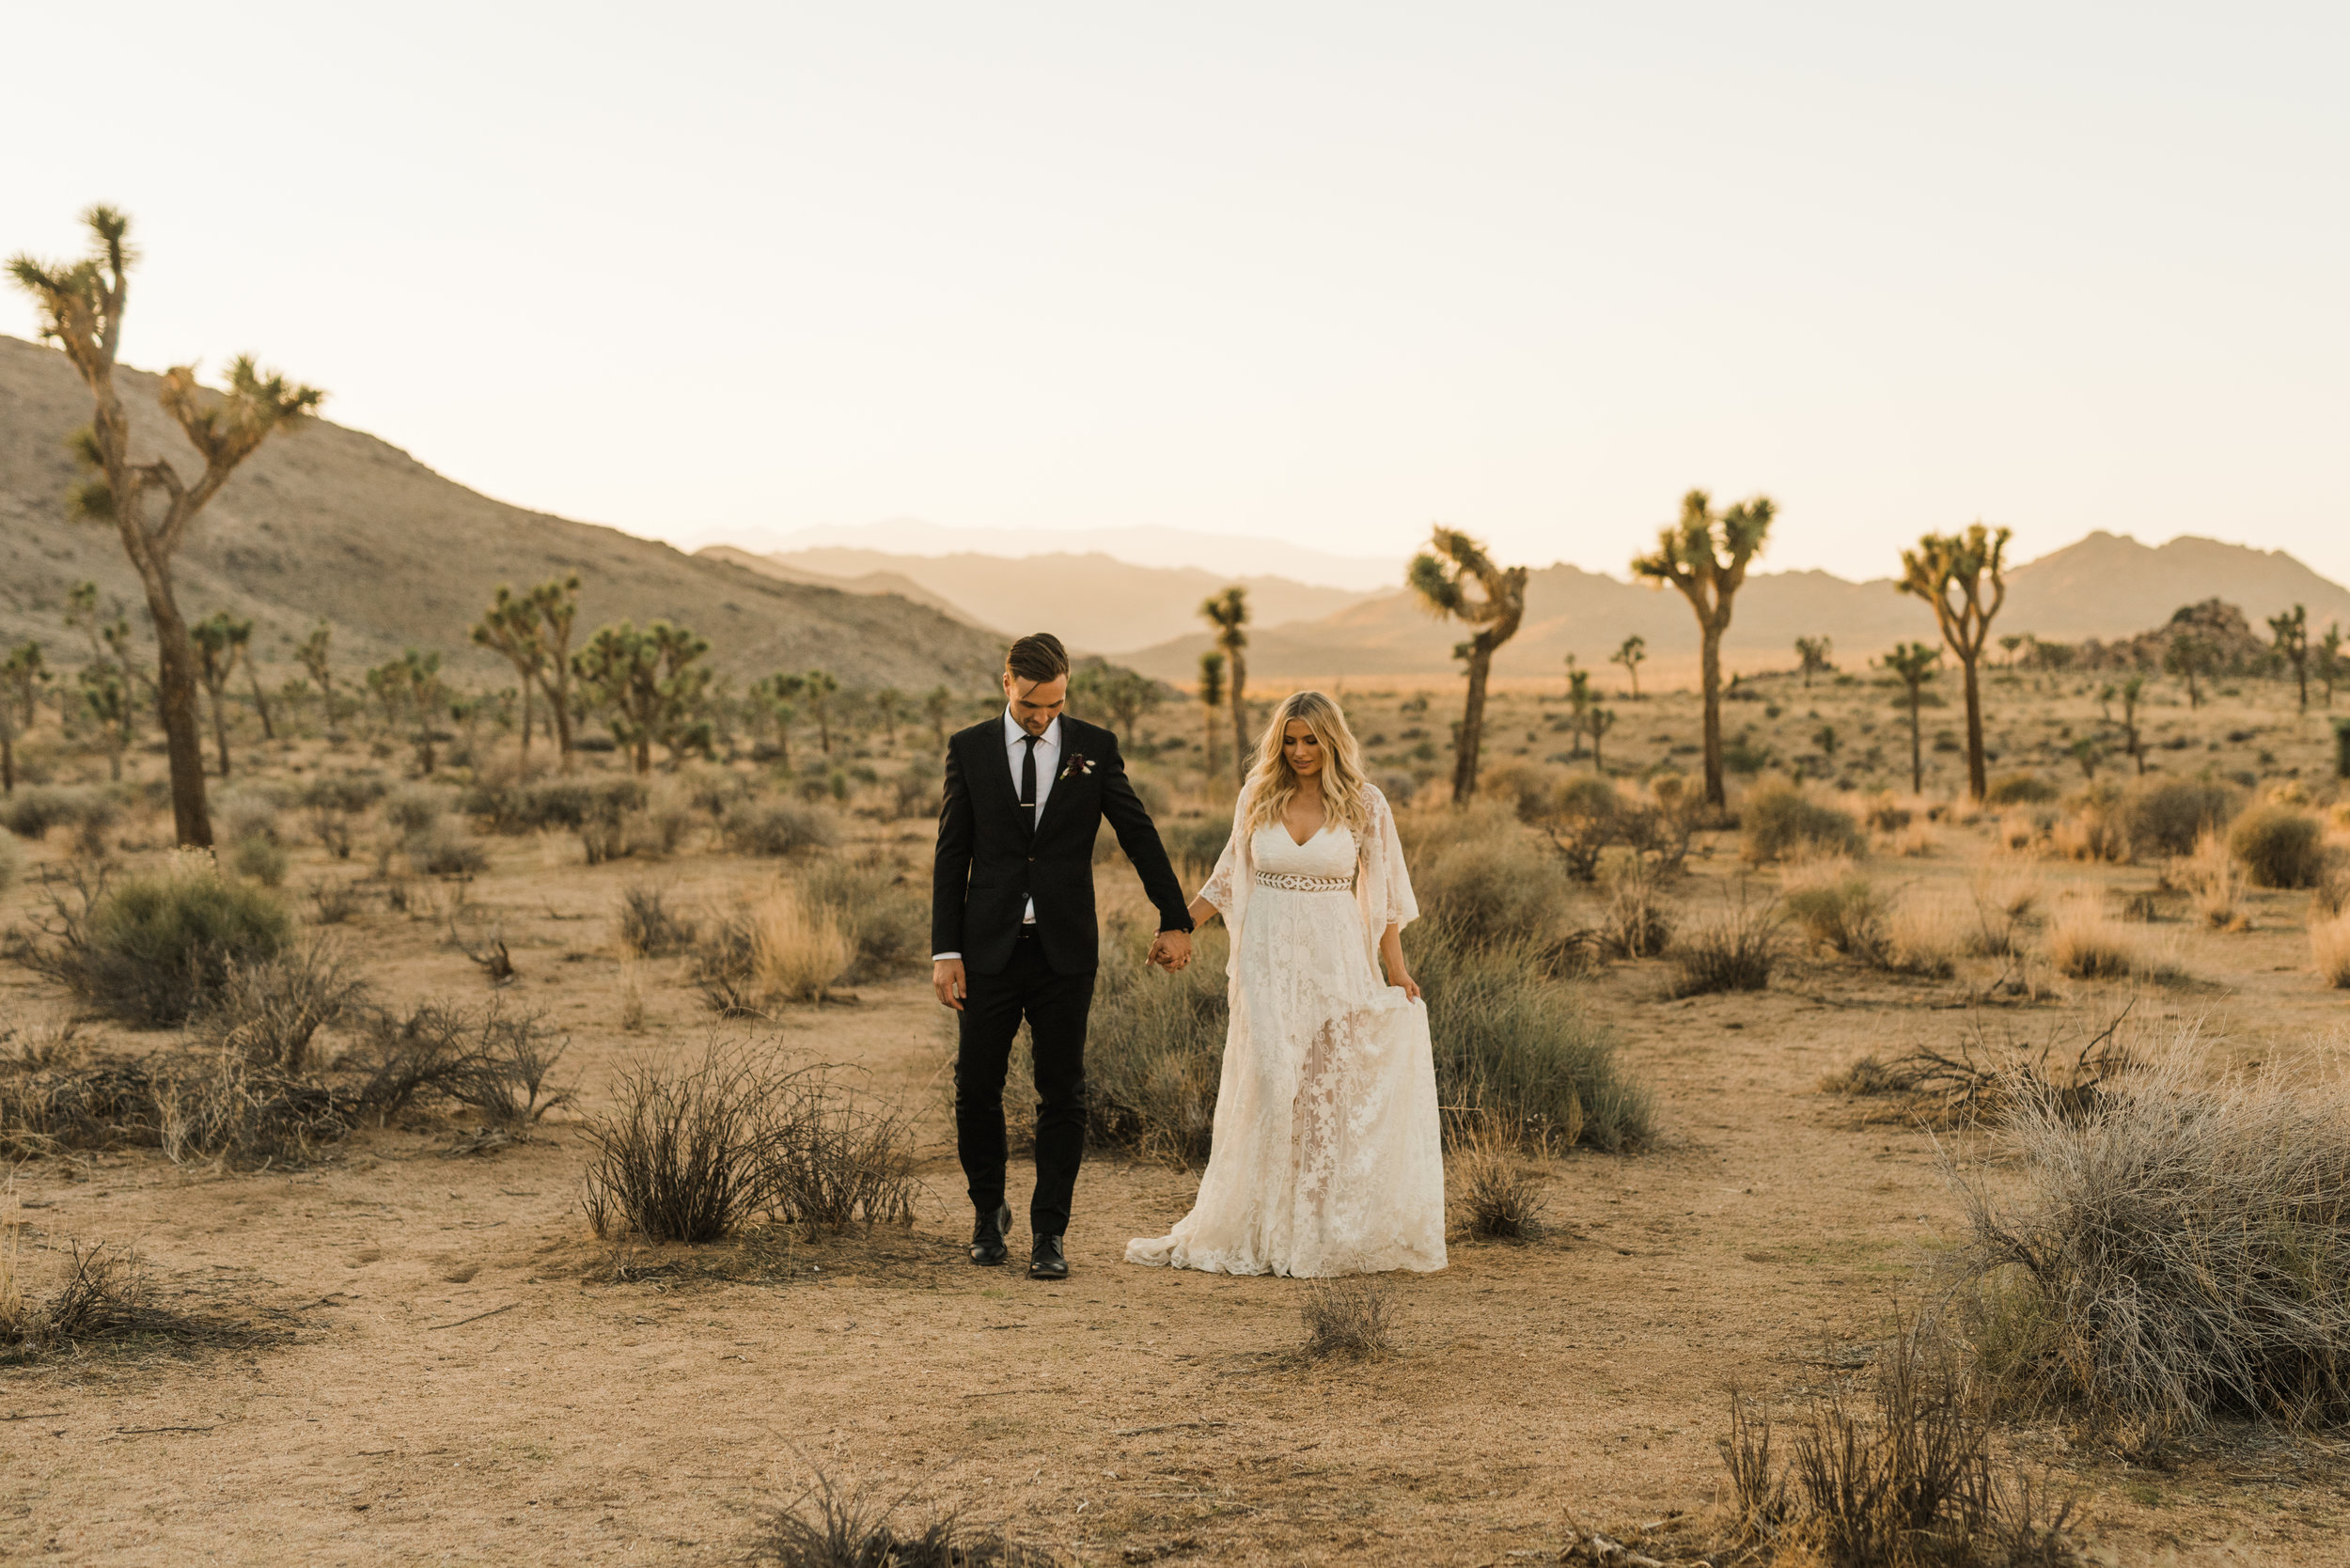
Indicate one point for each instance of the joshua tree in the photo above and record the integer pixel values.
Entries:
(649, 686)
(772, 699)
(2013, 641)
(1705, 556)
(1813, 653)
(2130, 692)
(312, 652)
(1913, 663)
(219, 643)
(2088, 753)
(2188, 657)
(887, 702)
(1443, 576)
(2292, 634)
(1210, 697)
(818, 688)
(2330, 663)
(115, 706)
(82, 304)
(1126, 695)
(558, 602)
(1827, 738)
(414, 696)
(1598, 721)
(106, 697)
(937, 704)
(1579, 702)
(511, 627)
(1630, 654)
(1943, 562)
(21, 676)
(1227, 614)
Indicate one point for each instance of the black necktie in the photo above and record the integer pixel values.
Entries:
(1027, 776)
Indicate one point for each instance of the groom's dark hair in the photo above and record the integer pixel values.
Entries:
(1037, 656)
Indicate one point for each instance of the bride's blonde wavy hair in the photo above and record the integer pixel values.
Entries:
(1272, 782)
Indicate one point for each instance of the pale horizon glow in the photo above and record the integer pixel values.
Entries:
(1315, 273)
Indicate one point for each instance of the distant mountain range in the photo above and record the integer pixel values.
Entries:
(1091, 602)
(329, 522)
(1188, 549)
(2104, 586)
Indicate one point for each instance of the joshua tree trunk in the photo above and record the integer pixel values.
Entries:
(1465, 754)
(1710, 685)
(260, 703)
(1240, 713)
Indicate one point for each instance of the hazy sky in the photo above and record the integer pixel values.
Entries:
(1327, 272)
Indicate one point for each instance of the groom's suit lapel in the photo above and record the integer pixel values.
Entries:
(990, 765)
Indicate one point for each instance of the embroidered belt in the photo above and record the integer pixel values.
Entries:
(1289, 882)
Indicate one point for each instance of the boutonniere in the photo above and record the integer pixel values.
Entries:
(1079, 763)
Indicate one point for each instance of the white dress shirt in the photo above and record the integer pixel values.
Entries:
(1048, 768)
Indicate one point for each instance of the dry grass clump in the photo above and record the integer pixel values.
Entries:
(1484, 877)
(1500, 1196)
(1906, 1479)
(445, 848)
(2173, 1256)
(830, 1526)
(1636, 922)
(1837, 906)
(104, 1295)
(2329, 949)
(781, 950)
(2167, 816)
(778, 827)
(2084, 943)
(2005, 909)
(332, 805)
(1981, 1080)
(690, 1154)
(1154, 1050)
(2215, 887)
(152, 946)
(269, 1013)
(2280, 847)
(2095, 829)
(233, 1113)
(1922, 939)
(90, 810)
(651, 926)
(1350, 1318)
(1735, 952)
(510, 1073)
(880, 906)
(1782, 822)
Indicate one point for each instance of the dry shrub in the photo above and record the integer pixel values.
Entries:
(1837, 906)
(2095, 829)
(331, 806)
(1500, 1194)
(2084, 943)
(778, 950)
(268, 1013)
(631, 996)
(233, 1113)
(1982, 1079)
(2172, 1257)
(2280, 847)
(1782, 823)
(831, 1527)
(779, 827)
(2167, 816)
(1924, 938)
(103, 1296)
(1481, 876)
(2005, 908)
(71, 1103)
(413, 808)
(1350, 1318)
(2213, 884)
(509, 1077)
(90, 810)
(651, 927)
(1636, 923)
(2329, 949)
(152, 947)
(690, 1154)
(882, 908)
(334, 901)
(1906, 1479)
(10, 863)
(264, 860)
(2020, 789)
(401, 1060)
(1734, 951)
(1519, 1050)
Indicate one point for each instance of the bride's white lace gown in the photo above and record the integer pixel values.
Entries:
(1327, 1156)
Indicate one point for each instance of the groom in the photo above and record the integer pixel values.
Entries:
(1014, 934)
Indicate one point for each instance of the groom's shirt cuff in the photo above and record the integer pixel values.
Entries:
(941, 958)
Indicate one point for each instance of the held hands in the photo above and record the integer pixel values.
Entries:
(1170, 950)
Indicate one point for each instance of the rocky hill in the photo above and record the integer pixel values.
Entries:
(334, 522)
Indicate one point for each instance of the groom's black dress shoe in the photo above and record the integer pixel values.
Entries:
(1046, 1260)
(987, 1237)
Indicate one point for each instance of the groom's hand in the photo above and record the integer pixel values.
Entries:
(948, 983)
(1171, 951)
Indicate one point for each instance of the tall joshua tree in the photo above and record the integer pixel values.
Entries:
(1813, 654)
(1706, 555)
(1913, 663)
(1973, 566)
(313, 652)
(151, 505)
(1632, 654)
(2291, 632)
(649, 686)
(1227, 612)
(21, 676)
(511, 627)
(1210, 697)
(556, 601)
(2329, 661)
(219, 643)
(1444, 575)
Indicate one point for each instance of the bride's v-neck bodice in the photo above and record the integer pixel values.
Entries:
(1330, 853)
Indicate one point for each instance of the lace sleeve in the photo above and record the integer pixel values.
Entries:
(1217, 889)
(1403, 908)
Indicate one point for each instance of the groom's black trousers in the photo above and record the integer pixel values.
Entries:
(1054, 1005)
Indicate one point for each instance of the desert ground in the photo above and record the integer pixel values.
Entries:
(411, 1344)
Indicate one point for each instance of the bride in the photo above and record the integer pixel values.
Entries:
(1326, 1156)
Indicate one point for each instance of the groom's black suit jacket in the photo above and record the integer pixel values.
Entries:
(989, 864)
